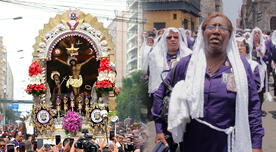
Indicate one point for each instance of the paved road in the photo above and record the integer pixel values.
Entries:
(269, 123)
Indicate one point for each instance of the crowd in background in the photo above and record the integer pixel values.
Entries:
(129, 137)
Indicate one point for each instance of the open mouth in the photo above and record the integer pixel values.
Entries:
(215, 40)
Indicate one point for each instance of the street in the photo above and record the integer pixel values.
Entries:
(269, 123)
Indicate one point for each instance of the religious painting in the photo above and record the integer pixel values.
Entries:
(73, 68)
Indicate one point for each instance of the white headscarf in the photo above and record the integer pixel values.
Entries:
(246, 33)
(253, 64)
(251, 40)
(145, 48)
(187, 98)
(183, 35)
(273, 38)
(158, 59)
(262, 67)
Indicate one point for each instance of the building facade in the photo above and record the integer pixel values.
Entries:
(258, 13)
(6, 78)
(209, 6)
(171, 13)
(118, 31)
(134, 36)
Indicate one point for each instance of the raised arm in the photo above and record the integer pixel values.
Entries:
(61, 61)
(83, 63)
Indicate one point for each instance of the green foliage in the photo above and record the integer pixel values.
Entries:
(133, 98)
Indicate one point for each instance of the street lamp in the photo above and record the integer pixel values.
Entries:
(13, 18)
(18, 18)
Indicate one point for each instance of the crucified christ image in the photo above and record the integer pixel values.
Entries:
(76, 79)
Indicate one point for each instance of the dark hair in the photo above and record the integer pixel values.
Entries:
(216, 14)
(16, 133)
(2, 140)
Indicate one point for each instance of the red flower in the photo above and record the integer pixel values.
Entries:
(104, 86)
(104, 65)
(34, 69)
(36, 89)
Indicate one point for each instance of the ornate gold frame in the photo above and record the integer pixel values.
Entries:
(43, 128)
(95, 126)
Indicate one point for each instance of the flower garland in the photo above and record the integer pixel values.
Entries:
(72, 122)
(36, 89)
(105, 81)
(36, 86)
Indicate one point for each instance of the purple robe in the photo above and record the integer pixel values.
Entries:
(257, 77)
(190, 43)
(219, 110)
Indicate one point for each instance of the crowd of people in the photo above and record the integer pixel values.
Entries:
(129, 137)
(207, 88)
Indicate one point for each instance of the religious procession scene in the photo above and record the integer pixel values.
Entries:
(138, 76)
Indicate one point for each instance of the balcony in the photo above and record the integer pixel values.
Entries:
(132, 55)
(132, 66)
(132, 48)
(190, 6)
(133, 38)
(132, 27)
(132, 4)
(133, 14)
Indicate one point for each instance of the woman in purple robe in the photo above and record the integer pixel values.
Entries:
(214, 105)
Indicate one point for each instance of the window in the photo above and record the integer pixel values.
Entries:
(185, 23)
(217, 7)
(273, 23)
(159, 25)
(174, 16)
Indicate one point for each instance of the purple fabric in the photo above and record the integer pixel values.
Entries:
(266, 56)
(190, 43)
(257, 77)
(219, 110)
(16, 143)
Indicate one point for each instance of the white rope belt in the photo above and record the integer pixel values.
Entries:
(230, 132)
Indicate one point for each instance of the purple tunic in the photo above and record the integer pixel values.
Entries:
(219, 110)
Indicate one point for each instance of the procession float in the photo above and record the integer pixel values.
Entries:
(72, 77)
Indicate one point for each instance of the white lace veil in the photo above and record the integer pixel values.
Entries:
(158, 59)
(188, 95)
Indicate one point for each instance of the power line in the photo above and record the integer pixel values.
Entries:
(58, 8)
(66, 6)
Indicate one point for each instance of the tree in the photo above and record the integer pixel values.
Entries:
(134, 100)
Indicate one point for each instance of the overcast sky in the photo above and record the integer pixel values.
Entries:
(231, 8)
(20, 34)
